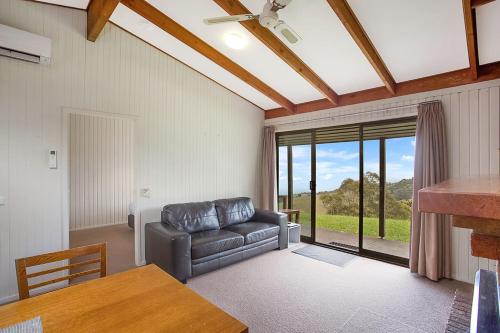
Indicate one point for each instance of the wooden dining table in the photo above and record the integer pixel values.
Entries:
(144, 299)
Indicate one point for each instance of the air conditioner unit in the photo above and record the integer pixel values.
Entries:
(18, 44)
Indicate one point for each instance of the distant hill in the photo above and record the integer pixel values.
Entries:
(402, 190)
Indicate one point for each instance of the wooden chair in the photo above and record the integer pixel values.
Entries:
(23, 263)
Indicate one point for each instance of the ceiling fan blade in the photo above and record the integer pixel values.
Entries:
(279, 4)
(286, 31)
(233, 18)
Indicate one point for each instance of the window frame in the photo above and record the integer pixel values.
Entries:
(382, 172)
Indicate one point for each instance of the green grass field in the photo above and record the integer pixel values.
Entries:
(398, 230)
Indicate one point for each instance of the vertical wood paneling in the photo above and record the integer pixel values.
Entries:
(194, 140)
(473, 125)
(93, 174)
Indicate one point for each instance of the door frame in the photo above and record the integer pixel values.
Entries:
(63, 163)
(312, 240)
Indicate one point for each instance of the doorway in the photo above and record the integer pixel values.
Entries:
(101, 185)
(352, 186)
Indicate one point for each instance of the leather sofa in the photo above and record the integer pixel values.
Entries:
(195, 238)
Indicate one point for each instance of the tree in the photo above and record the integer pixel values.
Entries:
(345, 199)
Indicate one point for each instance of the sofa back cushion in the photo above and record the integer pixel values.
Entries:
(191, 217)
(233, 211)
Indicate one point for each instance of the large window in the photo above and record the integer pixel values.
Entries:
(352, 185)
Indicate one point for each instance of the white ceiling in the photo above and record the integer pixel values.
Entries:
(80, 4)
(256, 57)
(326, 45)
(488, 32)
(414, 38)
(145, 30)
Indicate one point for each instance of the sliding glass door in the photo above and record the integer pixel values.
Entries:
(337, 207)
(295, 186)
(351, 187)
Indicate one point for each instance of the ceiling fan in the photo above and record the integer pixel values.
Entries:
(268, 19)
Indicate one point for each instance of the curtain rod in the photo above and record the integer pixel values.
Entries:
(364, 112)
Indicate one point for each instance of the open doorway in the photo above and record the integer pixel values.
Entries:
(100, 178)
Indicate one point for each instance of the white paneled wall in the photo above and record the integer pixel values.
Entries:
(194, 140)
(473, 122)
(101, 171)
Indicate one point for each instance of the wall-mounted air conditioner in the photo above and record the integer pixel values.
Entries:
(18, 44)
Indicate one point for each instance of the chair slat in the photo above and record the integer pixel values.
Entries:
(23, 263)
(62, 268)
(63, 255)
(64, 278)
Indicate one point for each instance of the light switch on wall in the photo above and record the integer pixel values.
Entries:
(146, 193)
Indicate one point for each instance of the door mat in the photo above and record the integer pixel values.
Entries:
(329, 256)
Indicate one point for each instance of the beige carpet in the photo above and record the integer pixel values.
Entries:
(285, 292)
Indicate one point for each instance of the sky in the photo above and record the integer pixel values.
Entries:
(338, 161)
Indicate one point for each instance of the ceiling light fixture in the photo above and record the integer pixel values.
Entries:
(235, 41)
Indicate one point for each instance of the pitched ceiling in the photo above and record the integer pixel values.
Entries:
(488, 32)
(414, 39)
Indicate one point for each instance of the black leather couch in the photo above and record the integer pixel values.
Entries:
(195, 238)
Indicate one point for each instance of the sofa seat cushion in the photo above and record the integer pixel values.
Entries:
(206, 243)
(254, 231)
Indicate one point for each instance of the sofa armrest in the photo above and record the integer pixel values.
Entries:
(280, 219)
(168, 248)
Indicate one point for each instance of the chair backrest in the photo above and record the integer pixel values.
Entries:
(23, 263)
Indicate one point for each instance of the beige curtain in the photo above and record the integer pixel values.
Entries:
(268, 169)
(430, 242)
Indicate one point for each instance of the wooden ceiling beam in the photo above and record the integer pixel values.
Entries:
(234, 7)
(352, 25)
(98, 13)
(429, 83)
(470, 33)
(171, 27)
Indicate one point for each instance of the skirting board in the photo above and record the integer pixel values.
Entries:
(99, 226)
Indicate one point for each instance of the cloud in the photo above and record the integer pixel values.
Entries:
(371, 166)
(301, 151)
(327, 176)
(342, 154)
(345, 169)
(413, 143)
(393, 166)
(409, 158)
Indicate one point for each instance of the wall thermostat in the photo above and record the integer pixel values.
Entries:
(52, 159)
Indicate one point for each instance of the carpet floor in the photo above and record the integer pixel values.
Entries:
(284, 292)
(119, 248)
(281, 291)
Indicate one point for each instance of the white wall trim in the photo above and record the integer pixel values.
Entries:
(100, 226)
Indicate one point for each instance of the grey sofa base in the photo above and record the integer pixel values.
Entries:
(230, 257)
